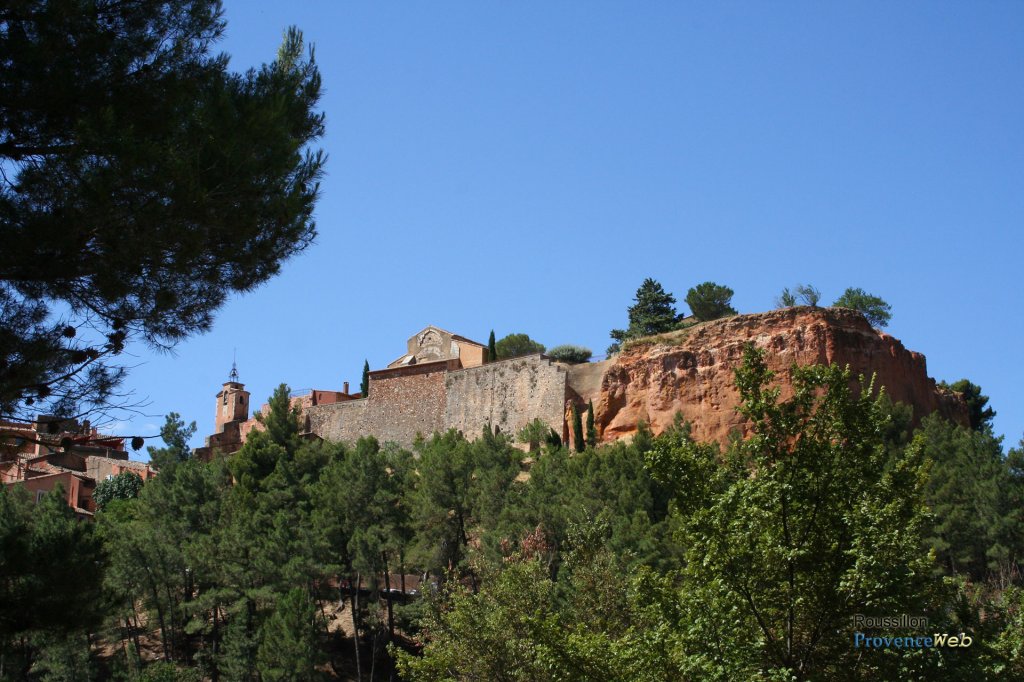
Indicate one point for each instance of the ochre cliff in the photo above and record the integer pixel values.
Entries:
(691, 371)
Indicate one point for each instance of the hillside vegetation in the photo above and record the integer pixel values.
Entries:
(659, 559)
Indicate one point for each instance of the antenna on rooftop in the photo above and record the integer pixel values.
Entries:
(233, 376)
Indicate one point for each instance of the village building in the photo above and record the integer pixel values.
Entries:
(52, 451)
(442, 381)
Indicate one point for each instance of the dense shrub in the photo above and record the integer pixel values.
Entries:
(570, 354)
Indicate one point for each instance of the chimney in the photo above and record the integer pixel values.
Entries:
(345, 390)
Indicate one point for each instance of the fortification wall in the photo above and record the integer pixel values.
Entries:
(339, 421)
(403, 402)
(507, 394)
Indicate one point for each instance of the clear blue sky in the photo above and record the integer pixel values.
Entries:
(524, 166)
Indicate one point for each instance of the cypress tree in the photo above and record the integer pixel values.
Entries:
(591, 431)
(364, 385)
(492, 351)
(577, 430)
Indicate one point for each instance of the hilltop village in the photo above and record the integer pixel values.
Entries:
(443, 382)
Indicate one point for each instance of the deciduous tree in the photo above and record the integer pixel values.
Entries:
(125, 486)
(806, 522)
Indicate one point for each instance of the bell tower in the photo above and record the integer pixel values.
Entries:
(232, 401)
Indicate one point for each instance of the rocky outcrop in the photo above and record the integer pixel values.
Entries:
(691, 371)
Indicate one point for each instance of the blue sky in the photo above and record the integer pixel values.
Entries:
(524, 166)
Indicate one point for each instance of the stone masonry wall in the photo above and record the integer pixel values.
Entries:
(344, 422)
(507, 394)
(403, 402)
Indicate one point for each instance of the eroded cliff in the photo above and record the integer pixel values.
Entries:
(691, 371)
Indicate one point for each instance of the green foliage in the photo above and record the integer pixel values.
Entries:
(786, 299)
(460, 485)
(525, 624)
(48, 561)
(492, 350)
(591, 430)
(567, 489)
(534, 433)
(165, 671)
(364, 383)
(808, 294)
(513, 630)
(125, 486)
(64, 660)
(653, 312)
(570, 354)
(577, 430)
(806, 523)
(973, 495)
(145, 184)
(977, 404)
(875, 310)
(710, 301)
(516, 345)
(659, 559)
(176, 436)
(289, 650)
(277, 441)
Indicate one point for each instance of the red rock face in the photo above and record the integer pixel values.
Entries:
(692, 371)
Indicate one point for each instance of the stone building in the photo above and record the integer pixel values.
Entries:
(441, 382)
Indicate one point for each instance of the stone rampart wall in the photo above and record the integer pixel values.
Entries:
(507, 394)
(402, 404)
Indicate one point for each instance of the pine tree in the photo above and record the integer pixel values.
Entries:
(364, 385)
(516, 345)
(176, 436)
(653, 312)
(145, 184)
(877, 312)
(289, 650)
(591, 431)
(710, 301)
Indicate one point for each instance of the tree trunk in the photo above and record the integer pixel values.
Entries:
(215, 644)
(355, 623)
(387, 587)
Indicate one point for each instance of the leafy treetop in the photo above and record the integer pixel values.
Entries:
(877, 311)
(653, 312)
(977, 404)
(515, 345)
(710, 301)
